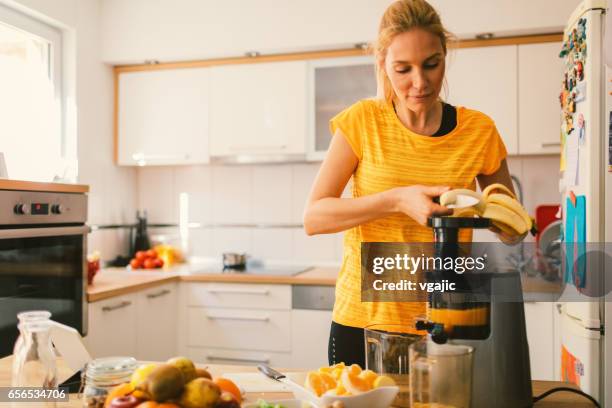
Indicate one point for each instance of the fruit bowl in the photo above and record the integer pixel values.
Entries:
(381, 397)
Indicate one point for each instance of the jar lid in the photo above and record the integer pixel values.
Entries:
(108, 368)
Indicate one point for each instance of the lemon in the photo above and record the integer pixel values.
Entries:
(383, 381)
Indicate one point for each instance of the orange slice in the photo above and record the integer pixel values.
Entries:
(353, 383)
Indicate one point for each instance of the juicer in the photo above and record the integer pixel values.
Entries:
(485, 312)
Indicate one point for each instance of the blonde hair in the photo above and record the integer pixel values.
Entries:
(402, 16)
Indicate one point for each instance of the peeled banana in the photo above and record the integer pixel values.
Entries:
(497, 202)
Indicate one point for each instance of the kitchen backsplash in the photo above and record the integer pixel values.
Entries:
(275, 195)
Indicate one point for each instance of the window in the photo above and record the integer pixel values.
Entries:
(31, 112)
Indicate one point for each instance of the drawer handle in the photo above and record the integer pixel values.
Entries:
(255, 319)
(256, 147)
(239, 360)
(158, 294)
(121, 305)
(551, 144)
(263, 292)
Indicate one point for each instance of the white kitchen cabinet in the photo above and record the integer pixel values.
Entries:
(156, 310)
(485, 79)
(210, 355)
(335, 84)
(112, 327)
(163, 117)
(540, 73)
(540, 335)
(309, 338)
(258, 109)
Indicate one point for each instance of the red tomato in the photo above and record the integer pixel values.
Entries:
(149, 263)
(158, 262)
(141, 255)
(135, 264)
(151, 253)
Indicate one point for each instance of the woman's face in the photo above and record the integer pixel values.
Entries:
(415, 66)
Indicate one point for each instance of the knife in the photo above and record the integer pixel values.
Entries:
(270, 372)
(298, 391)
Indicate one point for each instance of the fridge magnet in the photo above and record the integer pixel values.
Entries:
(571, 368)
(580, 70)
(575, 234)
(580, 92)
(581, 129)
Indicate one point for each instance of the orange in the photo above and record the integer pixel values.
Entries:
(118, 391)
(354, 369)
(153, 404)
(328, 380)
(369, 376)
(315, 383)
(353, 383)
(229, 386)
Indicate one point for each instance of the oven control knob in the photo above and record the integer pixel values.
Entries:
(21, 209)
(57, 209)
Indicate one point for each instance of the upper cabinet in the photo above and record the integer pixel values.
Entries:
(540, 76)
(485, 79)
(162, 117)
(258, 109)
(335, 84)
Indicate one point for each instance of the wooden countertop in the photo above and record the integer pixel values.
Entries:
(556, 400)
(113, 282)
(21, 185)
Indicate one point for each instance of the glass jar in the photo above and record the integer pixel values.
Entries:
(101, 375)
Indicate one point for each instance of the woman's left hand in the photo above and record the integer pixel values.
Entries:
(506, 238)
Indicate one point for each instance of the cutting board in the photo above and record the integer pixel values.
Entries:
(257, 382)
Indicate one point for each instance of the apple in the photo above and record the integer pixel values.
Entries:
(127, 401)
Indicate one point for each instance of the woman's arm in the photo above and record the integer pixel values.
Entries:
(326, 212)
(502, 176)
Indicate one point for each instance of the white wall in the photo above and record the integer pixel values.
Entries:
(170, 30)
(89, 90)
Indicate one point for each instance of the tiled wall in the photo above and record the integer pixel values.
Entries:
(276, 194)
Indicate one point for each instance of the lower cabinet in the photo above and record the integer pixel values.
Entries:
(309, 335)
(112, 327)
(141, 324)
(539, 321)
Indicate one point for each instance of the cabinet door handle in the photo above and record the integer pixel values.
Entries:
(257, 147)
(559, 307)
(239, 360)
(142, 158)
(251, 319)
(551, 144)
(263, 292)
(121, 305)
(158, 294)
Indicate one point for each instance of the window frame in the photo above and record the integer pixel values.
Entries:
(38, 28)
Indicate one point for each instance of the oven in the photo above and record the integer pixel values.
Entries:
(43, 266)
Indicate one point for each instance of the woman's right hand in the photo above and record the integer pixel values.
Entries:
(417, 202)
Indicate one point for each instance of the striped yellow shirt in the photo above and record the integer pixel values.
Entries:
(390, 155)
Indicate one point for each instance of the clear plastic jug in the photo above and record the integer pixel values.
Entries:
(34, 360)
(387, 352)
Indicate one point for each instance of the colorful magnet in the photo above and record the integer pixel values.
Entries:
(580, 92)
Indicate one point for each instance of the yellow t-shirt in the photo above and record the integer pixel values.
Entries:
(390, 155)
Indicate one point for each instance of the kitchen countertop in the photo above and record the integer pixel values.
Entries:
(6, 184)
(111, 282)
(556, 400)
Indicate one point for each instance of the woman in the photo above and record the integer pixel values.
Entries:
(402, 150)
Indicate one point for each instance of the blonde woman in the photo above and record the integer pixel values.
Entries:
(402, 150)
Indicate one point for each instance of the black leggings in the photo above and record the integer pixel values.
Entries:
(346, 344)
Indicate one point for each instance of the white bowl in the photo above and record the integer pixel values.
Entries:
(377, 398)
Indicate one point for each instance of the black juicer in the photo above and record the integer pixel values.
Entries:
(478, 314)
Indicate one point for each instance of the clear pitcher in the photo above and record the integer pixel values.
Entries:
(440, 375)
(34, 360)
(387, 352)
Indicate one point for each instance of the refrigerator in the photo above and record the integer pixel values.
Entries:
(586, 194)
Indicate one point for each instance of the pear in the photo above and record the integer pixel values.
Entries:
(185, 365)
(163, 383)
(200, 393)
